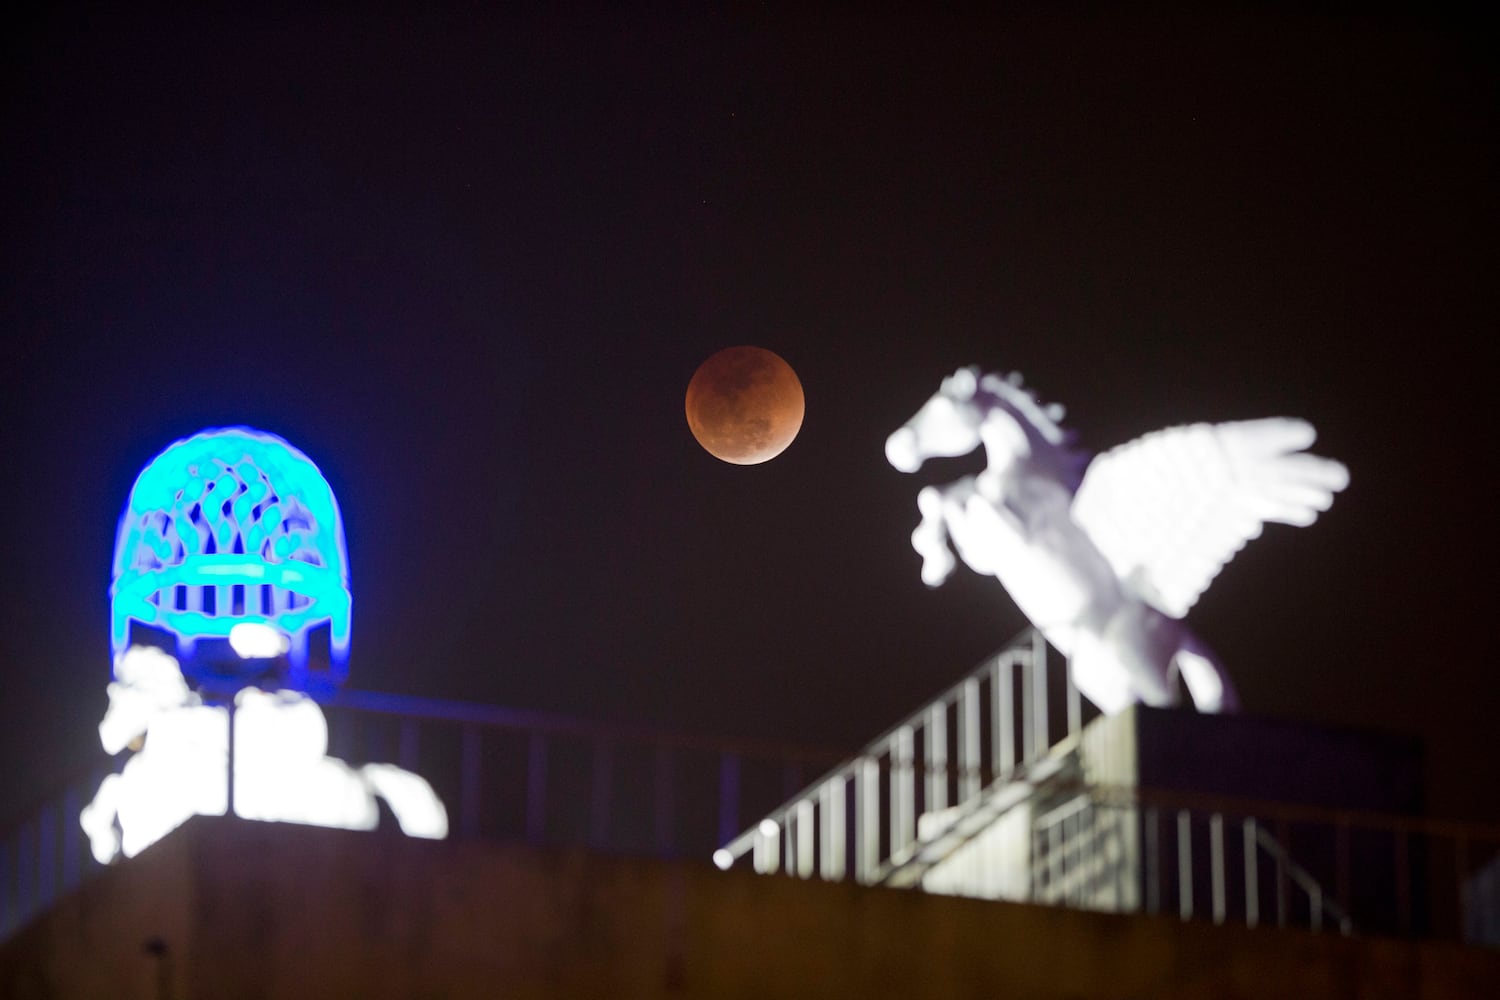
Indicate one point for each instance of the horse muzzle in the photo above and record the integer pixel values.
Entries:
(901, 450)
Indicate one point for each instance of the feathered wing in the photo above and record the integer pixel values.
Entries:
(1170, 509)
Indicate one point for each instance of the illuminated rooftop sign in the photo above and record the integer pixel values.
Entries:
(228, 528)
(229, 610)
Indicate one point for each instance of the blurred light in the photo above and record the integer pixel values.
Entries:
(769, 827)
(257, 641)
(723, 859)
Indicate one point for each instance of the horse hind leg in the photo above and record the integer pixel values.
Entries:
(1207, 681)
(418, 810)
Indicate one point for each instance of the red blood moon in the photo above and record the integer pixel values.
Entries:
(744, 405)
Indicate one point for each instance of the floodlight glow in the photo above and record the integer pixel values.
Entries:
(257, 641)
(769, 827)
(723, 859)
(281, 771)
(227, 528)
(1105, 555)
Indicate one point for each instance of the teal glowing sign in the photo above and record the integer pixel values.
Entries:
(234, 527)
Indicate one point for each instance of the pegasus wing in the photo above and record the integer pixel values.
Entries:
(1170, 509)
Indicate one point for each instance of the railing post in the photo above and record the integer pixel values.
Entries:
(341, 725)
(375, 740)
(867, 827)
(7, 910)
(25, 875)
(536, 788)
(766, 851)
(1184, 865)
(468, 799)
(1039, 695)
(599, 794)
(806, 828)
(1460, 873)
(729, 796)
(46, 856)
(1403, 882)
(937, 757)
(1216, 864)
(1283, 851)
(1049, 868)
(831, 805)
(408, 743)
(1002, 682)
(1341, 861)
(1075, 705)
(71, 872)
(791, 838)
(665, 828)
(1124, 868)
(903, 790)
(1072, 858)
(1152, 821)
(1086, 829)
(1252, 875)
(1035, 877)
(968, 740)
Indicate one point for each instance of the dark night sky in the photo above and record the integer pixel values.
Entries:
(468, 265)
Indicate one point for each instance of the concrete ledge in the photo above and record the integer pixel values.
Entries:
(250, 910)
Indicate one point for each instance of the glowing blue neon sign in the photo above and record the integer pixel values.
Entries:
(226, 528)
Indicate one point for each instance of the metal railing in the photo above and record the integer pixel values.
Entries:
(1323, 869)
(1135, 850)
(1108, 849)
(973, 764)
(46, 856)
(549, 779)
(503, 774)
(940, 791)
(988, 732)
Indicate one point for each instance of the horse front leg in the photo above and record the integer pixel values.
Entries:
(100, 820)
(930, 538)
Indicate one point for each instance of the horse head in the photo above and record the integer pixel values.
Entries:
(946, 426)
(970, 410)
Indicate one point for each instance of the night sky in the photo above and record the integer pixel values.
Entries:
(468, 264)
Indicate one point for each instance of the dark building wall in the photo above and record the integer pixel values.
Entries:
(250, 910)
(1276, 760)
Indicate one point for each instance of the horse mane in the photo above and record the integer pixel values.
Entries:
(1053, 444)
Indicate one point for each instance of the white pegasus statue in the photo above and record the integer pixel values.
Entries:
(281, 771)
(1105, 555)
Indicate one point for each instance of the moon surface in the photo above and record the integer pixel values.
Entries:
(744, 405)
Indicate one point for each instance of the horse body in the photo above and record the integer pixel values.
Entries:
(1020, 521)
(281, 772)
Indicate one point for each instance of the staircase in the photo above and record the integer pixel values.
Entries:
(928, 785)
(970, 795)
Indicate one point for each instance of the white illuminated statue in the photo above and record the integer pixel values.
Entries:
(1105, 555)
(281, 773)
(229, 569)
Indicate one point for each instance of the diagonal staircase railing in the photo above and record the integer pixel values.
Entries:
(972, 782)
(966, 756)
